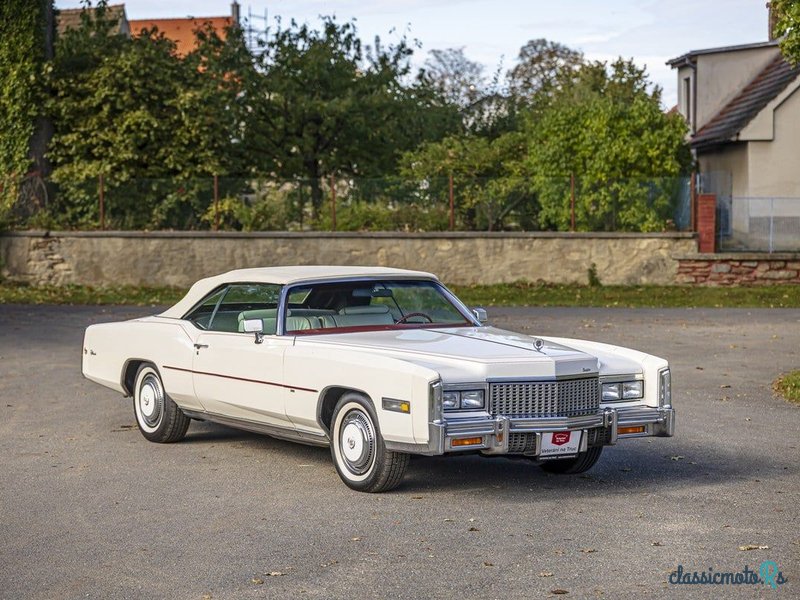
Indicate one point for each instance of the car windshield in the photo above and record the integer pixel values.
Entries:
(370, 305)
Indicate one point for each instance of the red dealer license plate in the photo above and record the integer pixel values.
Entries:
(560, 443)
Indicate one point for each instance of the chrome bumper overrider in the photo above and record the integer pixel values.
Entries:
(496, 432)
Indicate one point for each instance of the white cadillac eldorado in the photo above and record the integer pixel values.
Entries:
(378, 364)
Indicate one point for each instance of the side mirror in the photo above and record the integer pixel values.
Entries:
(480, 315)
(254, 326)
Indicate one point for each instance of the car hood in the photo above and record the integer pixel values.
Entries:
(468, 353)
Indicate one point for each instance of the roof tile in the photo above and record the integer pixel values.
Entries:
(734, 116)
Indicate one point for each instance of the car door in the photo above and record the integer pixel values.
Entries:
(233, 375)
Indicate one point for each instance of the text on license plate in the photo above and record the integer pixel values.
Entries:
(560, 442)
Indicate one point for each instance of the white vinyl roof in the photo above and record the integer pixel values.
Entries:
(284, 276)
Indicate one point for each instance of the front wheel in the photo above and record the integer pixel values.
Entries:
(577, 464)
(159, 418)
(358, 450)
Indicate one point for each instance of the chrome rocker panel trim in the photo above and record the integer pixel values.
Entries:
(283, 433)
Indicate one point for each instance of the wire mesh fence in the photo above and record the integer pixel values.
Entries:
(759, 224)
(355, 204)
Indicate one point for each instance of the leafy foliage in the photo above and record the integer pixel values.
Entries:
(488, 190)
(327, 105)
(22, 25)
(788, 27)
(458, 79)
(542, 67)
(149, 121)
(608, 130)
(317, 113)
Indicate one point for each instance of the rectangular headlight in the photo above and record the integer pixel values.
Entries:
(463, 400)
(665, 388)
(623, 390)
(450, 400)
(472, 399)
(632, 390)
(611, 392)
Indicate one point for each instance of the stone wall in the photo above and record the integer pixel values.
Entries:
(738, 269)
(460, 258)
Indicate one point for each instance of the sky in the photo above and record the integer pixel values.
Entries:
(492, 31)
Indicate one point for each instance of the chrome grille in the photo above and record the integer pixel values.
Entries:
(521, 442)
(567, 398)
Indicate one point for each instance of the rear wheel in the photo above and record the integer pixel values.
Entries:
(577, 464)
(158, 417)
(358, 450)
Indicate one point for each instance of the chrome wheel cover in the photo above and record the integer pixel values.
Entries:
(150, 400)
(357, 442)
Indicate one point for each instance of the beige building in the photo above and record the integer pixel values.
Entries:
(743, 111)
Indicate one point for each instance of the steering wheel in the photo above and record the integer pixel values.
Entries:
(404, 318)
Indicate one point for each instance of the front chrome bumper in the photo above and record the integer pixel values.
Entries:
(495, 433)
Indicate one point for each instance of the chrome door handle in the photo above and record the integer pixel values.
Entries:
(198, 346)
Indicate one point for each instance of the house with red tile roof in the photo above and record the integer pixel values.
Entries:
(182, 31)
(742, 106)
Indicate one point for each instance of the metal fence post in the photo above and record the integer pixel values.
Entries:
(216, 203)
(452, 202)
(572, 200)
(333, 202)
(102, 193)
(771, 225)
(693, 202)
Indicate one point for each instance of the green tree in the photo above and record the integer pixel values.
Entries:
(326, 105)
(156, 126)
(542, 67)
(788, 27)
(488, 191)
(213, 106)
(609, 131)
(458, 79)
(115, 111)
(22, 33)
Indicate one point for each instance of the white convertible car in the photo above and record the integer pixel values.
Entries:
(378, 364)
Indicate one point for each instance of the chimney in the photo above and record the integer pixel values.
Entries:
(773, 21)
(235, 12)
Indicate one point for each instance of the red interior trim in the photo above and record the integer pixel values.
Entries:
(357, 328)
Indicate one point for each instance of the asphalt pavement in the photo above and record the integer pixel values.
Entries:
(90, 509)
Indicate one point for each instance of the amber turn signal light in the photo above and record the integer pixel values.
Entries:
(467, 441)
(627, 430)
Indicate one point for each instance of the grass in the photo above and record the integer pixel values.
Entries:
(639, 296)
(511, 294)
(81, 294)
(788, 386)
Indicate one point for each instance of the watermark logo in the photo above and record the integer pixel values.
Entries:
(768, 574)
(561, 438)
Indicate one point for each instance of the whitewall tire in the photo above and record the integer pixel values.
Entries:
(358, 450)
(158, 417)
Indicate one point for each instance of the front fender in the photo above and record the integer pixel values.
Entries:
(375, 376)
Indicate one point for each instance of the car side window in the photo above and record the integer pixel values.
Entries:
(202, 315)
(236, 303)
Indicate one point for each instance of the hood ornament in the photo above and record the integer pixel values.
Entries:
(538, 344)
